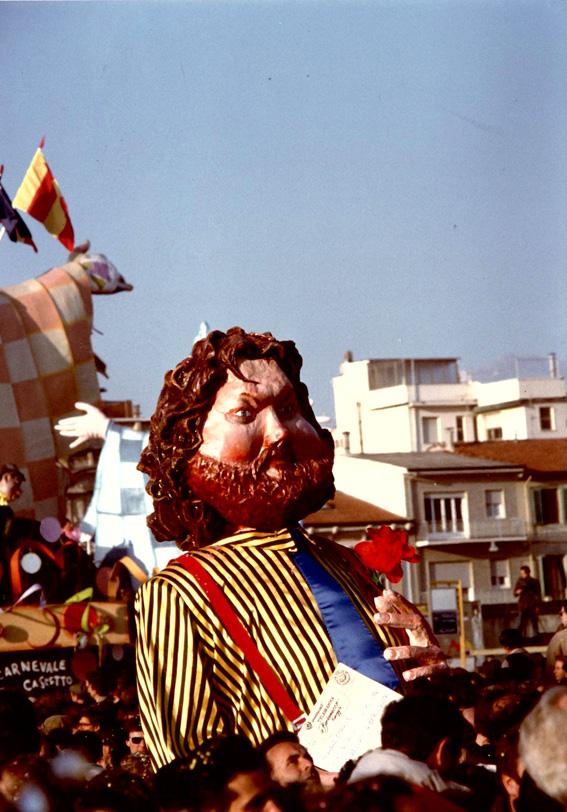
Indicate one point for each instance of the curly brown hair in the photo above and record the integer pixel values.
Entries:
(176, 426)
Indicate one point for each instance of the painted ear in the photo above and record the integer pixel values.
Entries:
(80, 249)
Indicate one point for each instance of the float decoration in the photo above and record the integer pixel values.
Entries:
(383, 552)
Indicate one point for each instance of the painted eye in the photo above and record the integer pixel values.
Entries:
(243, 415)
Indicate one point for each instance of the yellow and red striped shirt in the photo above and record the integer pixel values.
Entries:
(194, 682)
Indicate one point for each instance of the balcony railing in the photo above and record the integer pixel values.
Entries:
(476, 529)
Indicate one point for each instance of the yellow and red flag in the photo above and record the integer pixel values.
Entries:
(40, 195)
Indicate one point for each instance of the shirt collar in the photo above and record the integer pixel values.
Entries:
(276, 540)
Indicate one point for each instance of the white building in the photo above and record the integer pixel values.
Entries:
(421, 404)
(479, 470)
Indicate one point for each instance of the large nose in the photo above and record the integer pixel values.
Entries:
(274, 428)
(305, 765)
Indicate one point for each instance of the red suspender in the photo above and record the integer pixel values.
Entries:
(241, 637)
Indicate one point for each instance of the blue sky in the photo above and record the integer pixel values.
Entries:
(383, 177)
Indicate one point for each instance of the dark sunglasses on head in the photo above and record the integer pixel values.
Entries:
(136, 739)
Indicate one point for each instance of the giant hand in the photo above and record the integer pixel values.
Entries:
(89, 426)
(395, 611)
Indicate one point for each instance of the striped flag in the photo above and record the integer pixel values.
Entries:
(12, 222)
(41, 197)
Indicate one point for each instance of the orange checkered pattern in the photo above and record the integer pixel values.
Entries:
(46, 364)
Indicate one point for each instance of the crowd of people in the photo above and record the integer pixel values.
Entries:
(486, 740)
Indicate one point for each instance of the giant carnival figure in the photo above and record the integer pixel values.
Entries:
(46, 365)
(242, 632)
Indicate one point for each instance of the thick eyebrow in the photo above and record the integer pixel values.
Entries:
(248, 398)
(255, 400)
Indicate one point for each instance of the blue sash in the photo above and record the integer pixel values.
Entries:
(351, 639)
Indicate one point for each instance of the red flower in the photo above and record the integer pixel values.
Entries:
(385, 551)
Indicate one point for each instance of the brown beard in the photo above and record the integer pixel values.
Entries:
(246, 495)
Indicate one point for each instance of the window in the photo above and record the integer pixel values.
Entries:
(452, 571)
(500, 574)
(547, 503)
(460, 429)
(494, 434)
(429, 429)
(494, 504)
(444, 514)
(547, 418)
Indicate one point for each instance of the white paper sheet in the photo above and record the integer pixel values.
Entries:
(345, 721)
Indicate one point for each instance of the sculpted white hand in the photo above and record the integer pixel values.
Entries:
(394, 611)
(91, 425)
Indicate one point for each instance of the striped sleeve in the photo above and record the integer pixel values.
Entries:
(176, 705)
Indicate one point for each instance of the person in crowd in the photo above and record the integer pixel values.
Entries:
(99, 688)
(113, 747)
(27, 783)
(517, 665)
(77, 694)
(512, 642)
(288, 762)
(135, 741)
(543, 745)
(528, 592)
(86, 719)
(137, 759)
(557, 646)
(19, 732)
(11, 479)
(509, 768)
(116, 790)
(292, 770)
(235, 459)
(223, 774)
(422, 738)
(88, 744)
(560, 670)
(383, 793)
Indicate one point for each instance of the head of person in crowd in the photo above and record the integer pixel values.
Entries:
(56, 740)
(19, 733)
(381, 793)
(509, 766)
(227, 774)
(113, 747)
(543, 745)
(502, 708)
(289, 763)
(560, 670)
(234, 442)
(11, 479)
(77, 694)
(426, 728)
(563, 615)
(98, 686)
(89, 744)
(135, 740)
(511, 639)
(86, 719)
(116, 790)
(175, 786)
(27, 783)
